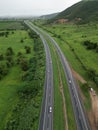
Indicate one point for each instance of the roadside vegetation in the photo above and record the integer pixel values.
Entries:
(22, 72)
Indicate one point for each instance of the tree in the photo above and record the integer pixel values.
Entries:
(92, 74)
(21, 40)
(9, 51)
(1, 57)
(28, 49)
(24, 64)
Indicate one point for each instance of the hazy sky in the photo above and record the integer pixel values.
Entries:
(33, 7)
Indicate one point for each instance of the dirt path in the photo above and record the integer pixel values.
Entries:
(77, 76)
(94, 113)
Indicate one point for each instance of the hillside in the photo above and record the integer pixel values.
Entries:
(84, 11)
(49, 16)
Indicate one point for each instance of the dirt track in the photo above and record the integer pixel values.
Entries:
(94, 113)
(77, 76)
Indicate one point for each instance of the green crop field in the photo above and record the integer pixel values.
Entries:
(21, 87)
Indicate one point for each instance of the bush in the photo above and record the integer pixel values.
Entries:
(28, 49)
(90, 45)
(10, 60)
(3, 70)
(1, 57)
(9, 51)
(24, 64)
(21, 40)
(91, 73)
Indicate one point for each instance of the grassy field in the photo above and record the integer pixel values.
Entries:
(20, 92)
(73, 36)
(11, 25)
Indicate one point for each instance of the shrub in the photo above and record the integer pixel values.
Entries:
(24, 64)
(9, 51)
(28, 49)
(1, 57)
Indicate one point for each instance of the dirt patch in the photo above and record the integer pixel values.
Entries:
(94, 113)
(78, 77)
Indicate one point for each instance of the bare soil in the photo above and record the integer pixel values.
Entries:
(78, 77)
(94, 112)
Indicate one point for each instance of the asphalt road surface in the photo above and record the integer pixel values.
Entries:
(80, 116)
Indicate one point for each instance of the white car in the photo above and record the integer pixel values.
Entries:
(50, 109)
(70, 81)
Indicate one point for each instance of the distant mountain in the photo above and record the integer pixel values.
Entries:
(83, 12)
(49, 16)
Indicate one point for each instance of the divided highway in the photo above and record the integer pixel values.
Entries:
(80, 117)
(46, 116)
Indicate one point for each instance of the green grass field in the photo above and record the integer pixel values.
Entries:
(9, 84)
(74, 35)
(20, 93)
(11, 25)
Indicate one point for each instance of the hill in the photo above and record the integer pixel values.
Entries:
(84, 11)
(49, 16)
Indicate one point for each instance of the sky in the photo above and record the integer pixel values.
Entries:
(33, 7)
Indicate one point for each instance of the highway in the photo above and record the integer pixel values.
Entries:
(79, 113)
(46, 116)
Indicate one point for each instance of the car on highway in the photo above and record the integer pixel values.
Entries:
(50, 109)
(70, 81)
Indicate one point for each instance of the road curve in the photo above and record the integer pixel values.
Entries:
(46, 116)
(80, 117)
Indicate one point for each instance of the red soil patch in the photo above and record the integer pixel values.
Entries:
(78, 77)
(94, 112)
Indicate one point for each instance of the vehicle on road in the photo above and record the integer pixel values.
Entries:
(70, 81)
(50, 109)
